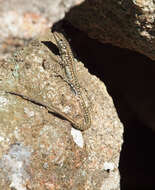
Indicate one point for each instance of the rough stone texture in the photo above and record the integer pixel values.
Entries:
(128, 75)
(41, 151)
(129, 78)
(23, 20)
(128, 24)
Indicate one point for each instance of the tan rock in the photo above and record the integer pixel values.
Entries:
(39, 149)
(128, 24)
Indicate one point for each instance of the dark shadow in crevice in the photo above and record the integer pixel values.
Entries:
(137, 159)
(129, 78)
(51, 46)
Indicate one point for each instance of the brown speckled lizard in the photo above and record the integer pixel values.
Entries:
(68, 63)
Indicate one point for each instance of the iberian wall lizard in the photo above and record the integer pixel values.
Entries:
(68, 63)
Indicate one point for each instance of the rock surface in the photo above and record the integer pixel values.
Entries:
(40, 150)
(23, 20)
(128, 24)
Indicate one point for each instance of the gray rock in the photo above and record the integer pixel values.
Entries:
(23, 20)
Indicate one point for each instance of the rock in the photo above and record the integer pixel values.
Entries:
(41, 150)
(127, 24)
(20, 21)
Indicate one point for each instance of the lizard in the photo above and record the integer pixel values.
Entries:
(68, 63)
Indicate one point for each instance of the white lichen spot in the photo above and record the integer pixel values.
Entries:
(66, 109)
(28, 112)
(112, 182)
(14, 166)
(3, 101)
(45, 165)
(145, 34)
(41, 69)
(108, 166)
(77, 137)
(17, 182)
(1, 138)
(15, 72)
